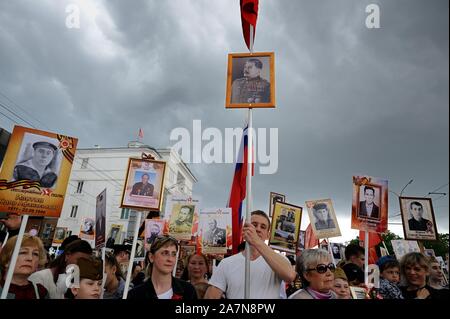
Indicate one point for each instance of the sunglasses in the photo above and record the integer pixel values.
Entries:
(322, 268)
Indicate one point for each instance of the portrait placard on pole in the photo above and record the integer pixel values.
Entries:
(144, 184)
(251, 80)
(370, 204)
(35, 172)
(215, 230)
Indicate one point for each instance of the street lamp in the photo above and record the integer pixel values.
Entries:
(404, 187)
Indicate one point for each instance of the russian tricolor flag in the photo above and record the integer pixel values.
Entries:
(238, 189)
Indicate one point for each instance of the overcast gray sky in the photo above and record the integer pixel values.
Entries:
(350, 100)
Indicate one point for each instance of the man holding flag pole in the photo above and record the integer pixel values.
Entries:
(264, 278)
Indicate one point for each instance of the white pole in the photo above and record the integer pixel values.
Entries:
(174, 272)
(249, 188)
(12, 263)
(366, 257)
(330, 251)
(387, 250)
(133, 252)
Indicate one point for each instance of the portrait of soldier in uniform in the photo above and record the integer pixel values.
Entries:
(181, 222)
(214, 236)
(251, 88)
(417, 222)
(143, 188)
(38, 163)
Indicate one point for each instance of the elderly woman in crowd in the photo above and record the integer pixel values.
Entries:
(415, 268)
(161, 284)
(317, 273)
(31, 255)
(54, 277)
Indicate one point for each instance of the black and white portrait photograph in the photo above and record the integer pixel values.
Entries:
(215, 224)
(418, 218)
(323, 218)
(369, 202)
(336, 250)
(39, 160)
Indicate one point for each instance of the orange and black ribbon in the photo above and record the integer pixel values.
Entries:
(24, 183)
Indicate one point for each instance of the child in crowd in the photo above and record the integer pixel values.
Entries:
(389, 277)
(341, 287)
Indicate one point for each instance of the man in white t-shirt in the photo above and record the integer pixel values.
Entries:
(267, 268)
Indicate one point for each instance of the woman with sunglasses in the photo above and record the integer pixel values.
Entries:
(161, 284)
(317, 273)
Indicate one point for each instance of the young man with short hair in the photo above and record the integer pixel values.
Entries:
(267, 268)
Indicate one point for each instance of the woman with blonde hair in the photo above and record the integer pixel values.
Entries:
(415, 268)
(31, 255)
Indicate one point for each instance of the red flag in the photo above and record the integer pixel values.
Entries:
(310, 239)
(238, 191)
(249, 15)
(141, 133)
(374, 239)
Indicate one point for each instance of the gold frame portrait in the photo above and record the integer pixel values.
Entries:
(236, 62)
(280, 225)
(136, 167)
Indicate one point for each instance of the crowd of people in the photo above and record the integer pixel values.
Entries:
(312, 274)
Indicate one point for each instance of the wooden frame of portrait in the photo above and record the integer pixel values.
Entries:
(277, 239)
(140, 202)
(233, 74)
(272, 202)
(427, 204)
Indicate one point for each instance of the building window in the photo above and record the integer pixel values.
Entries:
(80, 187)
(73, 213)
(125, 214)
(84, 163)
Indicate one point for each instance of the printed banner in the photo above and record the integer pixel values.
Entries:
(35, 172)
(323, 219)
(182, 215)
(100, 220)
(215, 229)
(370, 204)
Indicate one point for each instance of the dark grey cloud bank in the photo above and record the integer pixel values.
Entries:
(350, 100)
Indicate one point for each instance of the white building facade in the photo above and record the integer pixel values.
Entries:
(95, 169)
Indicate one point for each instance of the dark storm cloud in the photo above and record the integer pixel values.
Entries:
(349, 100)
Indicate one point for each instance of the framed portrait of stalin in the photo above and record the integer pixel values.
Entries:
(250, 80)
